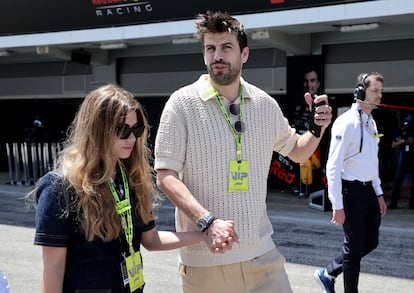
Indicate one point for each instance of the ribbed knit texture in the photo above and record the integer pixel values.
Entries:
(194, 140)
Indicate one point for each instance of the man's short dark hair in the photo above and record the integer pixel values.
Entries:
(310, 69)
(220, 22)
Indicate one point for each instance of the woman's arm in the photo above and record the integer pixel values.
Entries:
(166, 240)
(54, 262)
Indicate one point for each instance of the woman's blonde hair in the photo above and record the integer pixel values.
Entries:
(87, 161)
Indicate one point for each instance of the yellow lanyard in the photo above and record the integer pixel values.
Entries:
(237, 135)
(123, 208)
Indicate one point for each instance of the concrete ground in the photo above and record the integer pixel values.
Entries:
(303, 235)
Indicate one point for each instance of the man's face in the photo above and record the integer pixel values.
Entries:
(311, 82)
(223, 58)
(373, 93)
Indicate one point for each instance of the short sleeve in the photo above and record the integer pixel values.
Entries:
(52, 225)
(149, 226)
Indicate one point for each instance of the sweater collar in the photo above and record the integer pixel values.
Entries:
(206, 91)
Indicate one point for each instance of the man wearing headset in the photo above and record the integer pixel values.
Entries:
(354, 185)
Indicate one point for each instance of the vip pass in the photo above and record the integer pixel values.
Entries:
(131, 266)
(238, 169)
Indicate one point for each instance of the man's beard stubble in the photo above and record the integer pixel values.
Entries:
(223, 78)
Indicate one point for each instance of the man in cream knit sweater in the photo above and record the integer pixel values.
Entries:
(212, 156)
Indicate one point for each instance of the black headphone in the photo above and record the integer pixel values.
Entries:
(359, 92)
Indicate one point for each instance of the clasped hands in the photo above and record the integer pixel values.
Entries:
(221, 236)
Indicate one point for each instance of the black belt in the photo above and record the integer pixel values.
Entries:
(364, 183)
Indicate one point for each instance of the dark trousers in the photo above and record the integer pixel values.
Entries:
(361, 229)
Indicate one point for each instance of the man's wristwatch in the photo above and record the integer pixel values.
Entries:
(205, 222)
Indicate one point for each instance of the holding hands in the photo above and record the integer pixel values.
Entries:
(220, 236)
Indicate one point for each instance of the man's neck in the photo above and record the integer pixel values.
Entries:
(365, 107)
(229, 92)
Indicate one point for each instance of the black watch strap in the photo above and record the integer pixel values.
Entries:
(211, 220)
(205, 222)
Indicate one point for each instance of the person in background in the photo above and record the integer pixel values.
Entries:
(303, 111)
(405, 161)
(212, 155)
(354, 186)
(311, 81)
(312, 170)
(95, 209)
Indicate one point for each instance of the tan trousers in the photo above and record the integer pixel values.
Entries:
(263, 274)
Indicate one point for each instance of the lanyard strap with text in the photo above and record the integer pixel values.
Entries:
(123, 208)
(237, 135)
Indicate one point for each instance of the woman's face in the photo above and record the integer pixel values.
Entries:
(124, 146)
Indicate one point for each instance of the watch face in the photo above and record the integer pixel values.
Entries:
(201, 224)
(204, 222)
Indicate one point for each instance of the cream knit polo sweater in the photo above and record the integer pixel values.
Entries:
(195, 140)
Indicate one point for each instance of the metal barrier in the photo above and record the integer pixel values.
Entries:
(28, 161)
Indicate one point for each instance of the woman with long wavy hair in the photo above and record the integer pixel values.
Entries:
(95, 209)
